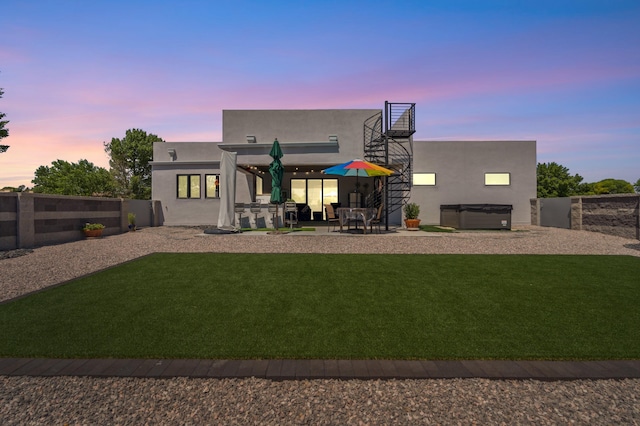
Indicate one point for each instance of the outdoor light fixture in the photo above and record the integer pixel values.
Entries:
(251, 139)
(333, 138)
(172, 153)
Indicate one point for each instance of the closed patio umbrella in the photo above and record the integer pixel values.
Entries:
(276, 169)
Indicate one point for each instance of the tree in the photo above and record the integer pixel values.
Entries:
(586, 188)
(129, 162)
(20, 188)
(636, 186)
(67, 178)
(3, 132)
(612, 186)
(554, 180)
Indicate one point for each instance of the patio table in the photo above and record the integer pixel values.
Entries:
(346, 214)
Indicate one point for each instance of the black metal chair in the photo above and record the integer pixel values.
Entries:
(376, 221)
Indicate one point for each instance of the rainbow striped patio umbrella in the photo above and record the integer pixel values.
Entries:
(358, 168)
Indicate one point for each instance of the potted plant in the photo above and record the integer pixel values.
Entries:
(411, 213)
(132, 221)
(93, 229)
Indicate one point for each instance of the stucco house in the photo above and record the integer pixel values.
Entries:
(186, 175)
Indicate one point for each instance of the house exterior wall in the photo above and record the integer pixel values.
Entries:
(303, 134)
(201, 158)
(304, 137)
(460, 167)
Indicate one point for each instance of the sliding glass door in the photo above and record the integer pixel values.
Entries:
(315, 193)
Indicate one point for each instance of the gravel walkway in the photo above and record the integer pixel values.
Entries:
(80, 400)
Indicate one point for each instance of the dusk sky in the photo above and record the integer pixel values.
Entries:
(564, 73)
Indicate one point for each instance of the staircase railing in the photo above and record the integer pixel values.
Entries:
(394, 154)
(400, 119)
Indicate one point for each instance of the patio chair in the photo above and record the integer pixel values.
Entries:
(376, 220)
(273, 209)
(291, 213)
(239, 208)
(255, 209)
(331, 216)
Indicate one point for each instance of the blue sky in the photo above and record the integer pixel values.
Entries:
(564, 73)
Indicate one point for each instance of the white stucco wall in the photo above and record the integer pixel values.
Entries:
(293, 128)
(304, 137)
(201, 158)
(460, 167)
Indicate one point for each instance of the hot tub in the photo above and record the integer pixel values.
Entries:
(476, 216)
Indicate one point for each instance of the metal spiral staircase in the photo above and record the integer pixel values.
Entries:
(388, 142)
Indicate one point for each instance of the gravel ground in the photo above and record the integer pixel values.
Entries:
(82, 400)
(78, 400)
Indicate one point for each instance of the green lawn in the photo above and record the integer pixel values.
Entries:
(282, 228)
(434, 228)
(337, 306)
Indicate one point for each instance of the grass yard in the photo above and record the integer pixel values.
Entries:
(337, 306)
(282, 228)
(434, 228)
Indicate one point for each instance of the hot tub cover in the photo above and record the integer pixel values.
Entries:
(486, 208)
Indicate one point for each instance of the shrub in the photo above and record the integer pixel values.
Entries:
(92, 226)
(411, 211)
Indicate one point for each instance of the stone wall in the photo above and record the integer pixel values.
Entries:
(535, 211)
(30, 220)
(8, 220)
(617, 214)
(609, 214)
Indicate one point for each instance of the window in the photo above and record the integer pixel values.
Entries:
(259, 186)
(497, 179)
(188, 186)
(428, 179)
(315, 193)
(212, 186)
(299, 190)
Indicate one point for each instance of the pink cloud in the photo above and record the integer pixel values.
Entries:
(75, 109)
(30, 150)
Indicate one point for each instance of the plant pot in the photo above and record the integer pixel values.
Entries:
(93, 233)
(412, 224)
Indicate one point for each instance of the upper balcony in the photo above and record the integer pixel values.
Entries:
(400, 119)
